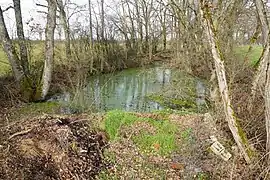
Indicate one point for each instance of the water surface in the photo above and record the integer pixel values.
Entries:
(127, 90)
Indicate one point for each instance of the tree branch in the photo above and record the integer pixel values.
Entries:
(41, 5)
(44, 12)
(9, 7)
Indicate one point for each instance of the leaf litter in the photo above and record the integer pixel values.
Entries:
(51, 147)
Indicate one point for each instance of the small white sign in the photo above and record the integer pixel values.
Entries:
(220, 150)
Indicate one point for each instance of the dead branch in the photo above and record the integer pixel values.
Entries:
(20, 133)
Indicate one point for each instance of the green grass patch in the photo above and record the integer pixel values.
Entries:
(4, 64)
(162, 141)
(35, 53)
(115, 119)
(253, 56)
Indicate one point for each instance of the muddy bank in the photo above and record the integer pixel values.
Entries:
(51, 147)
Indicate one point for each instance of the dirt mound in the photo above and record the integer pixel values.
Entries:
(51, 147)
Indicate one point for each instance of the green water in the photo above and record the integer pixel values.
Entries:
(127, 90)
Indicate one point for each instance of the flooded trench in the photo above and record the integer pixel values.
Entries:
(128, 90)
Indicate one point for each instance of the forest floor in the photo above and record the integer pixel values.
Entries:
(115, 145)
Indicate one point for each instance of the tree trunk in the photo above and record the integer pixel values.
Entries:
(90, 23)
(20, 34)
(164, 30)
(222, 82)
(267, 111)
(133, 30)
(103, 43)
(263, 72)
(263, 19)
(140, 28)
(260, 77)
(10, 49)
(91, 36)
(49, 48)
(65, 25)
(102, 21)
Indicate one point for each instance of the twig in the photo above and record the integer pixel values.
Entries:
(41, 5)
(9, 7)
(44, 12)
(80, 120)
(20, 133)
(131, 134)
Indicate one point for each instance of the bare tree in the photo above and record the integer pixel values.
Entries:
(65, 24)
(10, 49)
(49, 48)
(20, 34)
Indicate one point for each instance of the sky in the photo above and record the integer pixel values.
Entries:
(29, 10)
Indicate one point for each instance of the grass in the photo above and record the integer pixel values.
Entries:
(162, 141)
(114, 120)
(35, 109)
(187, 135)
(142, 147)
(4, 65)
(253, 56)
(36, 52)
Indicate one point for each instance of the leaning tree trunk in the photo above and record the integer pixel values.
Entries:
(260, 77)
(10, 49)
(223, 87)
(263, 72)
(49, 48)
(20, 34)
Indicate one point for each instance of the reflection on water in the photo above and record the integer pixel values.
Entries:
(127, 90)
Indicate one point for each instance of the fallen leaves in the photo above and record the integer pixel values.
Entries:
(177, 166)
(156, 146)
